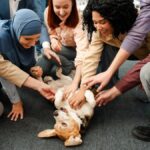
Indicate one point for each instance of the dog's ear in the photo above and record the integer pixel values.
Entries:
(47, 133)
(73, 140)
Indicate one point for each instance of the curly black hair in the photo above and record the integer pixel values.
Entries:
(121, 14)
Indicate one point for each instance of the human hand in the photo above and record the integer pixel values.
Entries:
(70, 89)
(56, 45)
(36, 71)
(104, 97)
(101, 78)
(52, 55)
(16, 112)
(77, 99)
(46, 91)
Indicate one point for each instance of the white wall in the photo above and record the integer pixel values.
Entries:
(81, 4)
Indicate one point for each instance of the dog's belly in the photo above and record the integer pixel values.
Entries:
(85, 110)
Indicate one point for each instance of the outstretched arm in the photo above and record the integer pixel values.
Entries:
(75, 83)
(20, 78)
(44, 89)
(130, 80)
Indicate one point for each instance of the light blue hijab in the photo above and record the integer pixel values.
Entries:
(25, 22)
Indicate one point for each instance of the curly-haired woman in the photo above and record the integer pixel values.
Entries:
(108, 22)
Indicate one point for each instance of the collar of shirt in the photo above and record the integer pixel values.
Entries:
(110, 37)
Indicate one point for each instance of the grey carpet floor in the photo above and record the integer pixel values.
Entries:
(110, 128)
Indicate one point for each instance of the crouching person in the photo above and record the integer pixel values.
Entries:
(139, 74)
(143, 132)
(18, 37)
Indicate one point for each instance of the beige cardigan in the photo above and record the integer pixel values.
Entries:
(12, 73)
(94, 53)
(74, 37)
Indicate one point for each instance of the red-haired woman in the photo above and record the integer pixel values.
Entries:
(67, 37)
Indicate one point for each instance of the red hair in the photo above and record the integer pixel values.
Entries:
(54, 21)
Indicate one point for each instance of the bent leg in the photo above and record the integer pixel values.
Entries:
(67, 56)
(145, 79)
(11, 91)
(108, 54)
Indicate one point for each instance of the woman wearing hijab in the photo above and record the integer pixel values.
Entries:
(17, 40)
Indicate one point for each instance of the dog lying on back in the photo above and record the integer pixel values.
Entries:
(69, 121)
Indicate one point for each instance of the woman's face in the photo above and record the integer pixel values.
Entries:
(62, 8)
(29, 41)
(102, 25)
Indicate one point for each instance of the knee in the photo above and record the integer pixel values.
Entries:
(1, 108)
(145, 73)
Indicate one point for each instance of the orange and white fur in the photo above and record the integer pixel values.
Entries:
(68, 120)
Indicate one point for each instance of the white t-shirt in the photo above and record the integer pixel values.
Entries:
(13, 5)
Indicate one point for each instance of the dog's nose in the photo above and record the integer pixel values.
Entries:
(55, 113)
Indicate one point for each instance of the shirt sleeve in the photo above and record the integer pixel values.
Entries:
(51, 33)
(141, 27)
(12, 73)
(132, 78)
(82, 43)
(92, 57)
(11, 91)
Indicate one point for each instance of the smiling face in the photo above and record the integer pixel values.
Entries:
(62, 8)
(102, 25)
(29, 41)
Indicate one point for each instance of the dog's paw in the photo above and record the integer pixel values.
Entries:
(58, 98)
(73, 141)
(47, 133)
(90, 98)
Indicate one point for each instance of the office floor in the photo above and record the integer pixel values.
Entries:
(110, 128)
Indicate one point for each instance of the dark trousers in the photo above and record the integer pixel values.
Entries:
(108, 54)
(67, 56)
